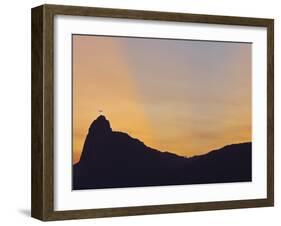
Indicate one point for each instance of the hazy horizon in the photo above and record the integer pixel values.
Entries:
(186, 97)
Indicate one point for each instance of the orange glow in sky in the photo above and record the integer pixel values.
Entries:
(186, 97)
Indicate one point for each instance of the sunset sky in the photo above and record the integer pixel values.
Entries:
(186, 97)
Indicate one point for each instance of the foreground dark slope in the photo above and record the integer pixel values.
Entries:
(113, 159)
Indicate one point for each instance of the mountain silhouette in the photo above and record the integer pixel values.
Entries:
(112, 159)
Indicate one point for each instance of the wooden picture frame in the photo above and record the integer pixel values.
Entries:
(42, 204)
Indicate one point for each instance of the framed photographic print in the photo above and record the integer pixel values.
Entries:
(141, 112)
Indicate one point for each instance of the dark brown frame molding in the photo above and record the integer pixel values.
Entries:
(42, 203)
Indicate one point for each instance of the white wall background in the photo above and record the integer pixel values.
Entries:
(15, 112)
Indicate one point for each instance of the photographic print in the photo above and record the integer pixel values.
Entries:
(156, 112)
(147, 112)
